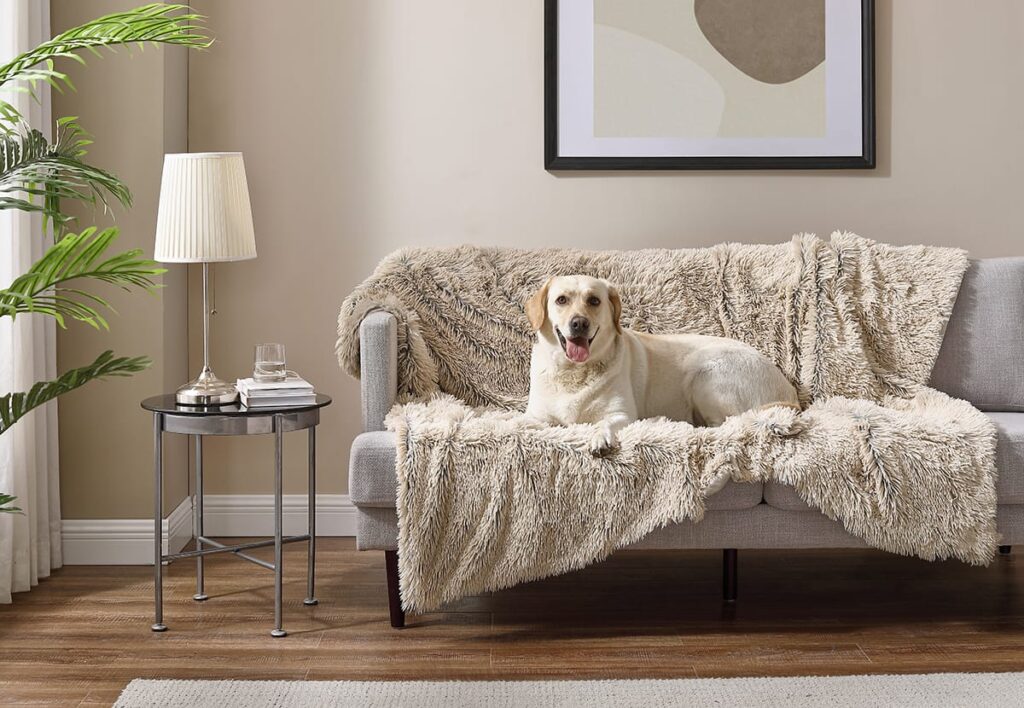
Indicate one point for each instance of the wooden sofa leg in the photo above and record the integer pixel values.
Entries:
(729, 581)
(394, 599)
(1005, 550)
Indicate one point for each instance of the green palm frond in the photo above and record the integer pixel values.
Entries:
(10, 117)
(14, 406)
(6, 499)
(77, 256)
(153, 23)
(36, 175)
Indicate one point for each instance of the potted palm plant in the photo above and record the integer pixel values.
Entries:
(40, 175)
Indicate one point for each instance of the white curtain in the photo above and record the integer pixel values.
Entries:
(30, 541)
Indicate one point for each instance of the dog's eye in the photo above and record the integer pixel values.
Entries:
(593, 301)
(561, 300)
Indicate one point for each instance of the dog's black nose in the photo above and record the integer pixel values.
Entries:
(579, 326)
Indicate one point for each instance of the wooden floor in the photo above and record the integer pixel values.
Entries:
(84, 633)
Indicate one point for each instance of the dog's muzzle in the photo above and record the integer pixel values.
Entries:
(576, 348)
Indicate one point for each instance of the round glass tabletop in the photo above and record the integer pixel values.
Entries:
(166, 404)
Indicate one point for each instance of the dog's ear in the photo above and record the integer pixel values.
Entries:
(537, 307)
(616, 301)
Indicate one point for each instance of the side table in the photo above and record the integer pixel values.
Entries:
(232, 419)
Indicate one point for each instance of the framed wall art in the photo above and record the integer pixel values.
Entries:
(709, 84)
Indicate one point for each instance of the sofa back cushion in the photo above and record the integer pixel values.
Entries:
(982, 354)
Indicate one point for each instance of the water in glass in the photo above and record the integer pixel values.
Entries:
(270, 363)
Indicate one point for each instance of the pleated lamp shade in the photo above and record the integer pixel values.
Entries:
(204, 214)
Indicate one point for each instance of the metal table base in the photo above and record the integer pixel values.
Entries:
(253, 423)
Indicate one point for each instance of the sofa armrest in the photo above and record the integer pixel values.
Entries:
(378, 367)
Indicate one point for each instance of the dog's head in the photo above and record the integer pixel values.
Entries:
(580, 313)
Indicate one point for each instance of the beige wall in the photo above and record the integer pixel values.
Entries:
(373, 124)
(135, 105)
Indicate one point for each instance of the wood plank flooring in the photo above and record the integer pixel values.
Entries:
(81, 635)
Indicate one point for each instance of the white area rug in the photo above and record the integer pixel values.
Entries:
(1004, 689)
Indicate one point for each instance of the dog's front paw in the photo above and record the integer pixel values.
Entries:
(604, 441)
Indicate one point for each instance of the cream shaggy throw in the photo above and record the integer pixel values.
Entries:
(487, 499)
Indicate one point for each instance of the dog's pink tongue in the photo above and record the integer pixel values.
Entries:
(577, 349)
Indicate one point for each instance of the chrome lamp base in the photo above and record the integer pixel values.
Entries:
(207, 390)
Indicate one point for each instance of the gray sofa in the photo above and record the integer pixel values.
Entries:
(982, 361)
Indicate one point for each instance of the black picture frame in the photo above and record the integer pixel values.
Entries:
(553, 161)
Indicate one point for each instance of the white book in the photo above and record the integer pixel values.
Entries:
(277, 393)
(290, 385)
(278, 401)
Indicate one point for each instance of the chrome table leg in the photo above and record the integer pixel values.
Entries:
(311, 520)
(158, 518)
(197, 521)
(278, 524)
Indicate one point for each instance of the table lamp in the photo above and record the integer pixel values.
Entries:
(204, 217)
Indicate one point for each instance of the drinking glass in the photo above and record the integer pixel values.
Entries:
(270, 363)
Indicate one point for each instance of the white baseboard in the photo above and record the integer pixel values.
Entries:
(123, 541)
(130, 541)
(253, 514)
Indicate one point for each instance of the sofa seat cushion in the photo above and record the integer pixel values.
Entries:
(1009, 465)
(1009, 457)
(735, 497)
(782, 496)
(372, 481)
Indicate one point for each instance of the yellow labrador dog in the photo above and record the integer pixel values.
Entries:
(585, 368)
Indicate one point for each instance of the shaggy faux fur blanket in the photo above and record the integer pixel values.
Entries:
(488, 499)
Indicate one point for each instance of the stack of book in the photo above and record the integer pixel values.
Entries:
(293, 391)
